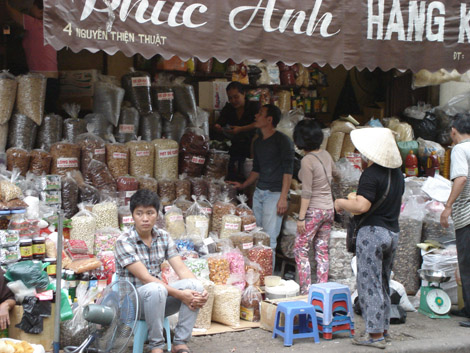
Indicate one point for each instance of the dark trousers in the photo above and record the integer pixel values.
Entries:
(462, 236)
(235, 168)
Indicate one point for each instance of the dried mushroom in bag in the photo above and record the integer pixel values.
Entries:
(40, 162)
(128, 125)
(8, 86)
(166, 159)
(30, 96)
(18, 158)
(137, 87)
(141, 155)
(22, 132)
(65, 157)
(49, 132)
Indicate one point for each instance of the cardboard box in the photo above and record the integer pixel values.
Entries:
(77, 83)
(45, 338)
(376, 110)
(213, 95)
(268, 311)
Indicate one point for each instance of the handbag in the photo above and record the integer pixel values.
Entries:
(354, 225)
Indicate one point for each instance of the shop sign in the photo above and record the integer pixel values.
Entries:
(399, 34)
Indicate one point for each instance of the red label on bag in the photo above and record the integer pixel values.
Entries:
(119, 155)
(141, 81)
(142, 153)
(67, 162)
(198, 160)
(168, 153)
(126, 129)
(165, 96)
(100, 151)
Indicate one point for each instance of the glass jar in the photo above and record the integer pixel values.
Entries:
(26, 249)
(39, 248)
(51, 269)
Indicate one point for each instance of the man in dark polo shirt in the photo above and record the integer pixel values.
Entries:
(273, 165)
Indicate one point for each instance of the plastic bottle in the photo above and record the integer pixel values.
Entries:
(72, 282)
(102, 279)
(84, 280)
(93, 280)
(411, 165)
(432, 165)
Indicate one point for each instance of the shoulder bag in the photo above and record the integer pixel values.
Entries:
(354, 225)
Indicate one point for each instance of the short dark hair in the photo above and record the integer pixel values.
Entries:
(308, 135)
(145, 198)
(236, 85)
(461, 123)
(274, 112)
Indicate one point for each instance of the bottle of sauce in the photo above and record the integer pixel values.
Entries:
(411, 165)
(432, 165)
(26, 249)
(72, 282)
(39, 248)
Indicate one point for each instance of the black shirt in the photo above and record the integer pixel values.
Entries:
(372, 186)
(241, 142)
(273, 158)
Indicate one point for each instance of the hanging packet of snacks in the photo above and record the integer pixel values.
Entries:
(185, 99)
(204, 316)
(215, 190)
(408, 256)
(65, 157)
(69, 195)
(230, 224)
(263, 256)
(246, 214)
(183, 187)
(141, 155)
(251, 298)
(168, 273)
(105, 239)
(8, 85)
(432, 228)
(50, 131)
(197, 221)
(237, 267)
(84, 227)
(199, 187)
(73, 126)
(166, 159)
(216, 164)
(18, 158)
(22, 132)
(30, 96)
(128, 126)
(40, 162)
(219, 268)
(150, 126)
(242, 241)
(137, 87)
(101, 177)
(163, 98)
(91, 147)
(126, 221)
(107, 100)
(117, 158)
(126, 187)
(194, 146)
(226, 309)
(221, 208)
(198, 267)
(147, 182)
(175, 223)
(106, 214)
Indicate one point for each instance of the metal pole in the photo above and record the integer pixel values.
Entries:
(58, 284)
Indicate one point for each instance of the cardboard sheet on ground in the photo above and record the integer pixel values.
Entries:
(219, 328)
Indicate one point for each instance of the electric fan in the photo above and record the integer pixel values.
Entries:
(112, 319)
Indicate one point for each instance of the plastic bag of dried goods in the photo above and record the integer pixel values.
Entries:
(91, 147)
(175, 223)
(193, 151)
(84, 227)
(163, 99)
(101, 177)
(107, 100)
(117, 158)
(141, 158)
(30, 96)
(220, 209)
(50, 131)
(251, 299)
(18, 158)
(183, 187)
(216, 164)
(175, 128)
(147, 182)
(197, 220)
(8, 85)
(166, 158)
(99, 125)
(150, 126)
(137, 87)
(185, 99)
(69, 196)
(128, 125)
(22, 132)
(226, 309)
(40, 162)
(65, 157)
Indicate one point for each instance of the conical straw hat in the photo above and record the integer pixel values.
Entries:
(378, 145)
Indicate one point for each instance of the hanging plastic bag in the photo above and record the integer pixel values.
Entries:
(137, 87)
(107, 100)
(8, 85)
(128, 126)
(50, 131)
(150, 126)
(251, 299)
(22, 132)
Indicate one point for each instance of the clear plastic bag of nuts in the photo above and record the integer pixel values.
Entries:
(69, 196)
(193, 151)
(117, 158)
(251, 298)
(101, 177)
(230, 224)
(221, 208)
(183, 187)
(166, 158)
(65, 157)
(246, 214)
(91, 147)
(197, 221)
(18, 158)
(175, 223)
(204, 316)
(199, 187)
(141, 158)
(40, 162)
(216, 164)
(147, 182)
(263, 256)
(219, 268)
(166, 190)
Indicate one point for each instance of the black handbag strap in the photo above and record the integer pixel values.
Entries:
(378, 203)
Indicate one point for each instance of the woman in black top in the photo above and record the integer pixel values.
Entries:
(377, 238)
(237, 121)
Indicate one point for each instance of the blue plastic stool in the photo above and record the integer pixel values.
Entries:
(329, 293)
(306, 313)
(338, 325)
(141, 330)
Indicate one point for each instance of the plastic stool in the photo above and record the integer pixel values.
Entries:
(338, 325)
(329, 293)
(141, 334)
(290, 310)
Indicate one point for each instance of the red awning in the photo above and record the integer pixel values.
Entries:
(387, 34)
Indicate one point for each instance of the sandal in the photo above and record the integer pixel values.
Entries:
(378, 343)
(183, 350)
